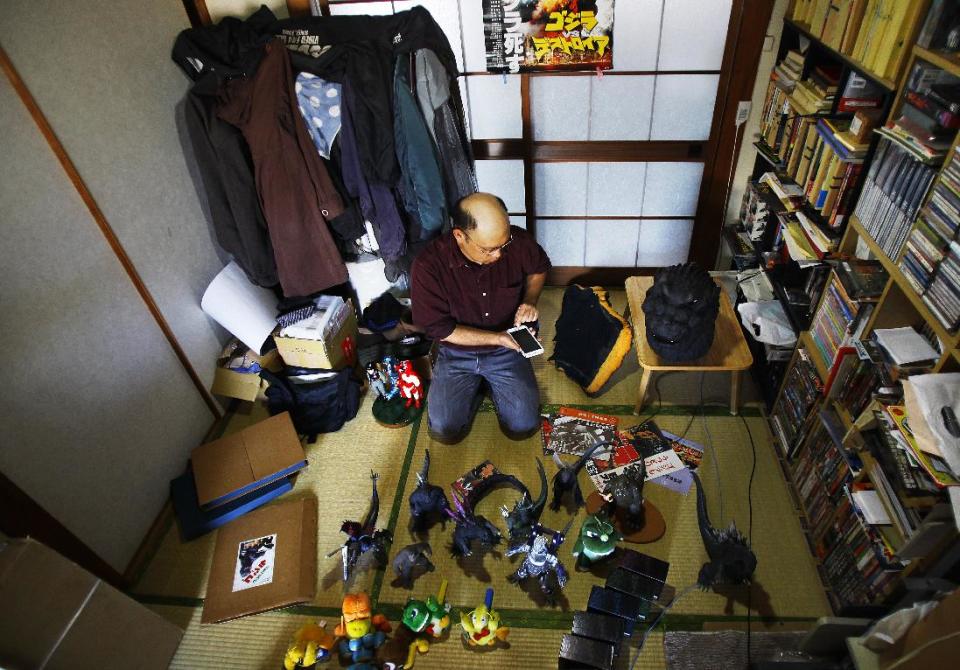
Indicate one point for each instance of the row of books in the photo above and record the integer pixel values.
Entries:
(837, 321)
(855, 559)
(874, 33)
(929, 241)
(821, 469)
(800, 392)
(892, 193)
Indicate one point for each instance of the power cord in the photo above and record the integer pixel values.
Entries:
(656, 621)
(753, 471)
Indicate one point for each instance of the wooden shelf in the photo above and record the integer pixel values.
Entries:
(887, 84)
(807, 341)
(897, 276)
(946, 61)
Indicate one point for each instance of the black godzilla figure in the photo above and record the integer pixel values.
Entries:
(566, 478)
(731, 559)
(526, 511)
(428, 500)
(363, 536)
(626, 496)
(470, 528)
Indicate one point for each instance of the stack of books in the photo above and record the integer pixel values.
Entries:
(790, 69)
(799, 394)
(943, 296)
(815, 94)
(837, 321)
(894, 188)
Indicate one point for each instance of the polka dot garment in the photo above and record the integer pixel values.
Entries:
(319, 102)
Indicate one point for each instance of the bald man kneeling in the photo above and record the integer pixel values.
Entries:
(468, 287)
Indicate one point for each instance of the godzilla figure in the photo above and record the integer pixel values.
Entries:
(428, 500)
(411, 562)
(362, 536)
(470, 528)
(731, 559)
(566, 478)
(526, 511)
(681, 311)
(625, 490)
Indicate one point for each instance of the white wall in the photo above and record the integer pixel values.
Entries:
(98, 414)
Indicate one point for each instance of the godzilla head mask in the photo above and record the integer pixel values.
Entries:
(681, 310)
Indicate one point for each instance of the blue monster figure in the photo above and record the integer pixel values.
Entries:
(390, 367)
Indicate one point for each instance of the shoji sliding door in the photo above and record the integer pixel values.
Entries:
(615, 173)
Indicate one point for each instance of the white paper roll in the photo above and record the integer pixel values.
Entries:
(248, 311)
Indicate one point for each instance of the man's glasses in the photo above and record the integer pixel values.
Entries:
(489, 252)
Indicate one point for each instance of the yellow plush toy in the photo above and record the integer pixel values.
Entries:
(311, 645)
(481, 626)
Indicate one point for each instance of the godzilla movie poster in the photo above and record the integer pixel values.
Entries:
(531, 35)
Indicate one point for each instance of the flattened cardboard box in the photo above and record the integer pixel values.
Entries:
(57, 615)
(264, 560)
(249, 459)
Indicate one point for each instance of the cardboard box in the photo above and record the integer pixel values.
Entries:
(244, 385)
(277, 545)
(56, 615)
(247, 460)
(334, 353)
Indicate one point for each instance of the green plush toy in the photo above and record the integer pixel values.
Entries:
(598, 538)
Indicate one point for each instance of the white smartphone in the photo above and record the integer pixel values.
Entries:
(529, 345)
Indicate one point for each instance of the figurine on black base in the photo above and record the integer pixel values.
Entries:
(428, 501)
(731, 559)
(362, 536)
(481, 626)
(399, 392)
(541, 559)
(597, 540)
(411, 562)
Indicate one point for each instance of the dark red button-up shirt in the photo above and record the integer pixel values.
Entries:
(448, 290)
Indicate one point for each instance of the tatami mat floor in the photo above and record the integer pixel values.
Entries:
(786, 587)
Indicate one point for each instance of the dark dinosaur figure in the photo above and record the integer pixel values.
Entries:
(626, 496)
(731, 559)
(411, 562)
(428, 500)
(566, 478)
(470, 528)
(362, 536)
(526, 511)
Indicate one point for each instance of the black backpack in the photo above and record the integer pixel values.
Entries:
(317, 407)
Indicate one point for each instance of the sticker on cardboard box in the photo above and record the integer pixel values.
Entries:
(255, 561)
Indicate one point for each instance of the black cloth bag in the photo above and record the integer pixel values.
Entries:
(316, 407)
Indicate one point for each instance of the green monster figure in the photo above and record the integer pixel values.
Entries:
(598, 538)
(422, 621)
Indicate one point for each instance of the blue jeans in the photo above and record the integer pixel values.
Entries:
(455, 392)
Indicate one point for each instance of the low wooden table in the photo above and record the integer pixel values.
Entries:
(728, 353)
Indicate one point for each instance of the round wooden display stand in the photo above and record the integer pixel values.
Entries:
(654, 524)
(393, 414)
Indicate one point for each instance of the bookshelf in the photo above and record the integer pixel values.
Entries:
(841, 436)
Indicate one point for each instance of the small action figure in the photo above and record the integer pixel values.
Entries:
(364, 631)
(311, 645)
(411, 388)
(377, 380)
(390, 369)
(362, 536)
(470, 528)
(411, 562)
(566, 478)
(625, 493)
(597, 541)
(427, 500)
(481, 626)
(541, 559)
(422, 621)
(526, 512)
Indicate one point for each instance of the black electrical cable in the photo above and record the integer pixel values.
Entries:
(656, 621)
(753, 470)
